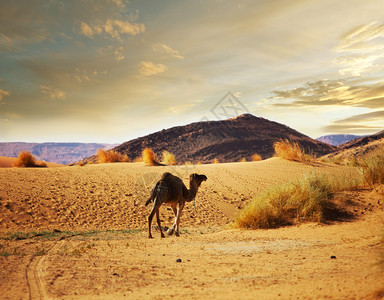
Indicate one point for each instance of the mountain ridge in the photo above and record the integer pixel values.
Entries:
(225, 140)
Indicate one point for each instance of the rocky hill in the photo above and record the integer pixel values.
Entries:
(357, 148)
(227, 141)
(61, 153)
(337, 139)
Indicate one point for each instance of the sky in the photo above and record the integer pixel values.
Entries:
(113, 70)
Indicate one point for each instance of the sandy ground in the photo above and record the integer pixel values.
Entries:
(119, 261)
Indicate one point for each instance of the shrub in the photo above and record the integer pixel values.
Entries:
(110, 156)
(256, 157)
(27, 160)
(372, 167)
(168, 158)
(149, 157)
(304, 200)
(243, 160)
(292, 151)
(216, 161)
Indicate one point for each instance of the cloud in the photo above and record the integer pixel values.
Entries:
(119, 54)
(119, 3)
(361, 123)
(147, 68)
(182, 108)
(357, 38)
(114, 28)
(86, 30)
(54, 94)
(333, 92)
(362, 48)
(3, 94)
(168, 50)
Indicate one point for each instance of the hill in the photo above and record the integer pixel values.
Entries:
(337, 139)
(357, 147)
(61, 153)
(227, 141)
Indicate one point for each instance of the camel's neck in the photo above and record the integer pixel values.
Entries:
(193, 188)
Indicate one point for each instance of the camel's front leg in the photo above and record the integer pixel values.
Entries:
(179, 210)
(171, 230)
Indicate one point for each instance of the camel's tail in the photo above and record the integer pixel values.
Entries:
(157, 191)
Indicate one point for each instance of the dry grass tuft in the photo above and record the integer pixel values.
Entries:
(149, 157)
(372, 167)
(243, 160)
(27, 160)
(168, 158)
(110, 156)
(305, 200)
(256, 157)
(292, 151)
(216, 161)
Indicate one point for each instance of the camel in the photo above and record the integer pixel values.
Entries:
(171, 190)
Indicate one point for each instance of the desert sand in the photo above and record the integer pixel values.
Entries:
(98, 248)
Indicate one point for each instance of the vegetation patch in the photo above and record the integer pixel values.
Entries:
(27, 160)
(305, 200)
(111, 156)
(290, 150)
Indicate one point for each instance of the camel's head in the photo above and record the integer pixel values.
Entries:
(197, 178)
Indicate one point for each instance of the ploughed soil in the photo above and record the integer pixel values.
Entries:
(81, 233)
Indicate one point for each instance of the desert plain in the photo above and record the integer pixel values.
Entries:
(81, 233)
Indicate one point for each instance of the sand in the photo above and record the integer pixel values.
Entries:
(118, 260)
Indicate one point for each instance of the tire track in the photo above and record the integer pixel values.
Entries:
(35, 272)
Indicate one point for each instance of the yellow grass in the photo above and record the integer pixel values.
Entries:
(304, 200)
(27, 160)
(110, 156)
(168, 158)
(149, 157)
(372, 167)
(256, 157)
(292, 151)
(243, 160)
(216, 161)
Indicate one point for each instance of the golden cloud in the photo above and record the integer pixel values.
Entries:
(53, 93)
(168, 50)
(148, 68)
(114, 28)
(3, 94)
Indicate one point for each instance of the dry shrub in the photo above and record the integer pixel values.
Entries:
(168, 158)
(372, 167)
(304, 200)
(27, 160)
(256, 157)
(110, 156)
(292, 151)
(216, 161)
(149, 157)
(243, 160)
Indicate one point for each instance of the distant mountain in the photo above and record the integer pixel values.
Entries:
(61, 153)
(227, 141)
(358, 147)
(363, 140)
(337, 139)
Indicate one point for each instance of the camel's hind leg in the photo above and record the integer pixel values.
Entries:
(155, 209)
(158, 222)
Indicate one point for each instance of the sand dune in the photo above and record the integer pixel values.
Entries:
(216, 262)
(112, 196)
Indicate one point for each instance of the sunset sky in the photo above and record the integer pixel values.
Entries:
(113, 70)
